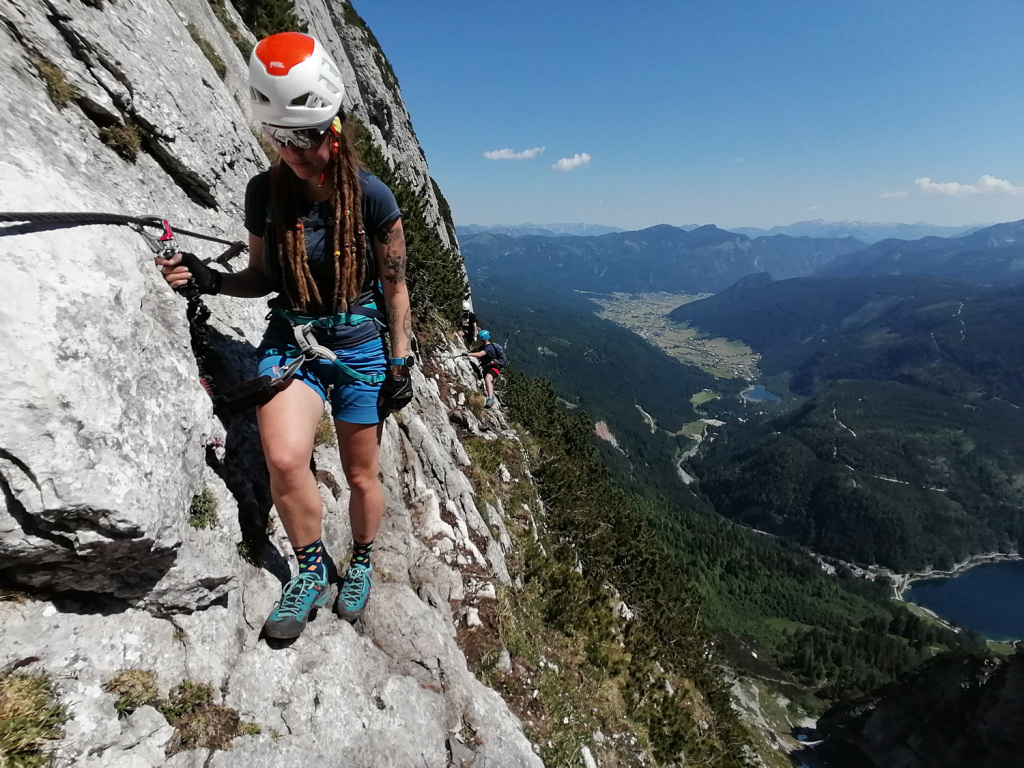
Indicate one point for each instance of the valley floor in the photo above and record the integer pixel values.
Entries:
(646, 315)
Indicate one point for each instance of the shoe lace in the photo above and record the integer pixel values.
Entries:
(352, 587)
(293, 594)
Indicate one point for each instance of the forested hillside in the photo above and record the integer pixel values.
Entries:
(603, 368)
(877, 472)
(906, 453)
(940, 335)
(837, 634)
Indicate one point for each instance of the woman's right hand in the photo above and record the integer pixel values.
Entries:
(175, 273)
(182, 267)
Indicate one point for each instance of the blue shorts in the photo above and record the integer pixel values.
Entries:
(354, 402)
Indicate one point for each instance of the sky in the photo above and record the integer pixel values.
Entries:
(730, 112)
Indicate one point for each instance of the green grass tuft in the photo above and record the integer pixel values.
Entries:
(325, 434)
(135, 688)
(241, 42)
(60, 91)
(266, 17)
(203, 511)
(30, 718)
(208, 51)
(125, 139)
(198, 722)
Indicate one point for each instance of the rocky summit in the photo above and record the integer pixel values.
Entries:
(108, 441)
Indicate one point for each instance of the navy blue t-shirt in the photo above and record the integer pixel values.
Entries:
(380, 209)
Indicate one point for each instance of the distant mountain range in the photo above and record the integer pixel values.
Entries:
(866, 231)
(543, 230)
(708, 259)
(662, 258)
(991, 255)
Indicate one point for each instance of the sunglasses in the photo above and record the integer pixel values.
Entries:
(299, 138)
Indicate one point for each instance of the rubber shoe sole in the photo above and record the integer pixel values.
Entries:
(352, 598)
(288, 627)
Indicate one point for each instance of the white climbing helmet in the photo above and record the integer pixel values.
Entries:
(293, 82)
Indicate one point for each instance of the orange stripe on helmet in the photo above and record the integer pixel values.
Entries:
(280, 52)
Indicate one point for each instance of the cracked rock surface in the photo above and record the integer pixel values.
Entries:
(107, 436)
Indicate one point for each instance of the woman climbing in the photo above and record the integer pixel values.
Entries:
(327, 238)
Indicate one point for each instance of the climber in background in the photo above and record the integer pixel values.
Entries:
(468, 330)
(492, 360)
(327, 238)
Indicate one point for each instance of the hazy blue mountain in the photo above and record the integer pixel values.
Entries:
(991, 255)
(661, 258)
(865, 231)
(543, 230)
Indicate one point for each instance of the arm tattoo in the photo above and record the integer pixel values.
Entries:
(395, 321)
(393, 240)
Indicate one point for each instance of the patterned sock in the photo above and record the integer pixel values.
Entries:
(361, 552)
(311, 559)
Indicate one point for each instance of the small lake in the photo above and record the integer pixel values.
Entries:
(760, 393)
(988, 598)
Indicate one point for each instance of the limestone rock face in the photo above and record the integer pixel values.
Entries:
(107, 436)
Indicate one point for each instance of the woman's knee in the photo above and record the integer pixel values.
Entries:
(362, 480)
(285, 461)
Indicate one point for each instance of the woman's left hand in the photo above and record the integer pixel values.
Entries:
(395, 393)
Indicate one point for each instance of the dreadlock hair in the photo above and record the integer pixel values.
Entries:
(347, 237)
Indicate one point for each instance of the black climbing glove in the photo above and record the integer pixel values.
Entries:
(207, 280)
(395, 393)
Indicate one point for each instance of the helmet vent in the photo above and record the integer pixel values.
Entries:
(328, 86)
(258, 96)
(301, 101)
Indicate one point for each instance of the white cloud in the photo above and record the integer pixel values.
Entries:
(579, 160)
(511, 154)
(986, 185)
(891, 195)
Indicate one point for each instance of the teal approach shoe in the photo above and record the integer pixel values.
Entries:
(354, 592)
(298, 599)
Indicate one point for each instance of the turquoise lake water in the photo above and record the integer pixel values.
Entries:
(987, 598)
(759, 392)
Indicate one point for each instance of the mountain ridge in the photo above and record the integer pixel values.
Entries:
(865, 231)
(990, 254)
(659, 258)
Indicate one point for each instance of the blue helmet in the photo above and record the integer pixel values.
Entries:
(484, 335)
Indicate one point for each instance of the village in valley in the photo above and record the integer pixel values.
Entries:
(646, 314)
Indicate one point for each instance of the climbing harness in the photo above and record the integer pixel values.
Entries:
(161, 245)
(259, 391)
